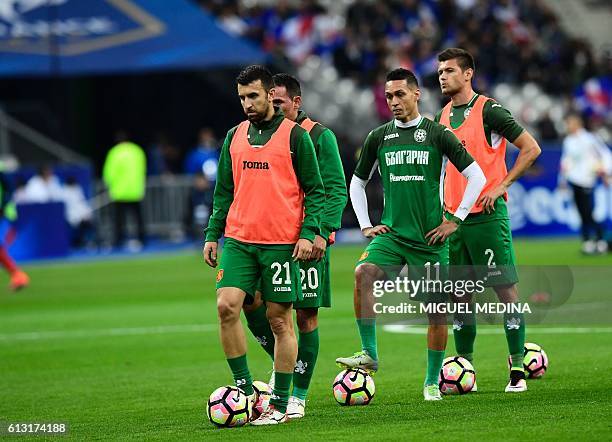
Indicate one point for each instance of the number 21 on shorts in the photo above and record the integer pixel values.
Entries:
(278, 268)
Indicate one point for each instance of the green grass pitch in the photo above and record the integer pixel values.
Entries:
(128, 350)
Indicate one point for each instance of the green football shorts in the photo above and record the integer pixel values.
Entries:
(386, 251)
(483, 250)
(316, 285)
(391, 255)
(242, 265)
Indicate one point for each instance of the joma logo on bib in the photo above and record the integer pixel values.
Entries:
(255, 165)
(407, 157)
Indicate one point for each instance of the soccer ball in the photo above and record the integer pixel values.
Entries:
(263, 394)
(353, 387)
(457, 376)
(228, 407)
(535, 361)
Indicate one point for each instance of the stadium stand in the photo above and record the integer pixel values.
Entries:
(520, 48)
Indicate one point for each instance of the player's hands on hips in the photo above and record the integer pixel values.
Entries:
(488, 199)
(318, 248)
(371, 232)
(443, 231)
(302, 250)
(210, 253)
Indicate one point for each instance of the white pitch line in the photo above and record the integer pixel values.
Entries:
(204, 328)
(412, 330)
(131, 331)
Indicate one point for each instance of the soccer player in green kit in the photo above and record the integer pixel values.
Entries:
(410, 153)
(315, 274)
(267, 203)
(484, 239)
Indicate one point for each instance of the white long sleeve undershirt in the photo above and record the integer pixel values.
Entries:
(476, 181)
(359, 200)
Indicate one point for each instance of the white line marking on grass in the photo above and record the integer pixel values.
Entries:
(131, 331)
(413, 330)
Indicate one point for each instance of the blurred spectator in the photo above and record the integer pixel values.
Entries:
(380, 100)
(172, 158)
(199, 205)
(230, 20)
(594, 98)
(204, 157)
(585, 158)
(78, 214)
(44, 187)
(19, 196)
(163, 157)
(546, 128)
(8, 216)
(124, 174)
(155, 158)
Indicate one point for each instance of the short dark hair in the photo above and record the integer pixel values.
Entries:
(574, 114)
(463, 57)
(290, 83)
(253, 73)
(403, 74)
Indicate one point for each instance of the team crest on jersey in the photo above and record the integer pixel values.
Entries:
(219, 275)
(363, 256)
(466, 113)
(420, 135)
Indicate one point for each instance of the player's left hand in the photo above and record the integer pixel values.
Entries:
(318, 248)
(302, 250)
(488, 199)
(443, 231)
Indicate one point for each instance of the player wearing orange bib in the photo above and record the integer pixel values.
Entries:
(314, 274)
(483, 241)
(268, 200)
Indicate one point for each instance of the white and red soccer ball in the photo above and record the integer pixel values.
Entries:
(353, 387)
(457, 376)
(535, 361)
(228, 407)
(263, 394)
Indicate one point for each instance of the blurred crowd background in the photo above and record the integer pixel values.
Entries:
(540, 58)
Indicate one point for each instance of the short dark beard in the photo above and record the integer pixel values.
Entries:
(259, 117)
(255, 118)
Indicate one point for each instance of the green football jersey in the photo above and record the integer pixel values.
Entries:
(411, 162)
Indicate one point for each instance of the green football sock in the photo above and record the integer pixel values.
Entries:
(514, 326)
(367, 331)
(464, 331)
(435, 358)
(280, 396)
(308, 350)
(260, 327)
(242, 376)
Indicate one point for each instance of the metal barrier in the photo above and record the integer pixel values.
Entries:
(164, 208)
